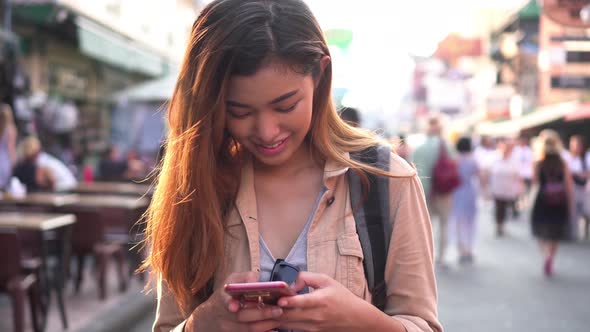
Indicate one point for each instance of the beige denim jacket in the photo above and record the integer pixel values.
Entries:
(333, 248)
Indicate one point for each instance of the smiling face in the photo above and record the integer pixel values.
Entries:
(269, 113)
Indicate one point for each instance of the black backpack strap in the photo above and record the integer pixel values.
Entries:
(372, 219)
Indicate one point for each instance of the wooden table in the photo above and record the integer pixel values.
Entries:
(119, 188)
(46, 202)
(35, 221)
(44, 222)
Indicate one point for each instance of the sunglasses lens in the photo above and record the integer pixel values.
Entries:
(287, 274)
(284, 271)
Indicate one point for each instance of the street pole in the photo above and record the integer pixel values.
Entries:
(7, 16)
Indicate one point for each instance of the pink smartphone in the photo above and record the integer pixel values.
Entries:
(267, 292)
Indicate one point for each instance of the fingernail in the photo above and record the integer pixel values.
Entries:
(277, 312)
(282, 303)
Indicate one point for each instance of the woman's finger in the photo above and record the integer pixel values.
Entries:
(295, 315)
(264, 326)
(248, 315)
(313, 280)
(304, 301)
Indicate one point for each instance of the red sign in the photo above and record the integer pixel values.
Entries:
(455, 46)
(566, 12)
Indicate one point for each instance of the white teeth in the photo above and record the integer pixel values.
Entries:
(272, 146)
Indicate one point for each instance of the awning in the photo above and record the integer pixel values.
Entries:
(582, 114)
(107, 46)
(158, 90)
(541, 116)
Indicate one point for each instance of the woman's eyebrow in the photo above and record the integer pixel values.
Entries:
(274, 101)
(283, 97)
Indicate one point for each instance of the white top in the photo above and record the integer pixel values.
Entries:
(485, 157)
(297, 255)
(575, 163)
(523, 156)
(505, 180)
(64, 179)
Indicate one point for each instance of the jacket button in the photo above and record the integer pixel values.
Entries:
(330, 200)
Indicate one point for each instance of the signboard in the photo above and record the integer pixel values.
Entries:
(455, 46)
(567, 12)
(570, 82)
(498, 102)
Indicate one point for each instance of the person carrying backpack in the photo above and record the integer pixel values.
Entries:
(553, 204)
(261, 177)
(439, 175)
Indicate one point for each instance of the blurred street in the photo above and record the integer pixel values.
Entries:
(505, 290)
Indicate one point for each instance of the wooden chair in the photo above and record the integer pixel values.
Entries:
(17, 282)
(88, 238)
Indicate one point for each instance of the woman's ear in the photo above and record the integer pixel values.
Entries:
(324, 61)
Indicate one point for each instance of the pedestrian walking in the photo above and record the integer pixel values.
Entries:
(505, 184)
(578, 163)
(8, 135)
(465, 200)
(523, 156)
(439, 194)
(551, 210)
(254, 187)
(485, 154)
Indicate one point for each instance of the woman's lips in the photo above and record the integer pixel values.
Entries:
(273, 149)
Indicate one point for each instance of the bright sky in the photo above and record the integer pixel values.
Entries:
(377, 67)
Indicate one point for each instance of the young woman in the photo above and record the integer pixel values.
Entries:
(465, 200)
(255, 171)
(554, 201)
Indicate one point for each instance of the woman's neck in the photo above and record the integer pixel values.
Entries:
(301, 160)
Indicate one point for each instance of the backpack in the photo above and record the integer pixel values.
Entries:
(372, 219)
(445, 174)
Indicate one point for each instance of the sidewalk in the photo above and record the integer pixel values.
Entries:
(119, 312)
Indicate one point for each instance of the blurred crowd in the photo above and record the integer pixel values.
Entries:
(27, 166)
(525, 174)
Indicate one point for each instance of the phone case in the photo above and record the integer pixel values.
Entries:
(267, 292)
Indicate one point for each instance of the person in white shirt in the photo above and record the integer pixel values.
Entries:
(62, 177)
(485, 155)
(523, 157)
(578, 163)
(505, 184)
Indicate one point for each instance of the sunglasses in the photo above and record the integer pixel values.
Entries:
(283, 271)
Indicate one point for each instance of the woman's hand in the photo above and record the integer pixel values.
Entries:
(223, 313)
(330, 307)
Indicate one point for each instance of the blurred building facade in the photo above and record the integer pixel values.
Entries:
(542, 53)
(82, 52)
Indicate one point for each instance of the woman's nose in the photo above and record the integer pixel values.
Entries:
(267, 128)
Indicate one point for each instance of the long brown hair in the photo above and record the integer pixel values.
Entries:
(200, 172)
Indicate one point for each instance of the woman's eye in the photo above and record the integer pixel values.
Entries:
(238, 115)
(288, 109)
